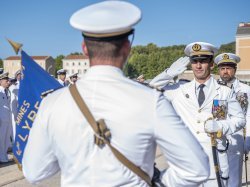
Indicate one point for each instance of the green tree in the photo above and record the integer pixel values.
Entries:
(76, 53)
(150, 60)
(227, 48)
(58, 61)
(1, 63)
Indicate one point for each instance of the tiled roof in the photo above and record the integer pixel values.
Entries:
(33, 57)
(73, 57)
(243, 29)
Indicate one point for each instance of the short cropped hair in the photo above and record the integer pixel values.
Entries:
(105, 49)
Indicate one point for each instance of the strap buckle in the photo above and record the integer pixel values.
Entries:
(103, 135)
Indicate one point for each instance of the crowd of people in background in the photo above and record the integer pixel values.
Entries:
(199, 124)
(9, 87)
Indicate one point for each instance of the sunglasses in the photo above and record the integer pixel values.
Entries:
(201, 60)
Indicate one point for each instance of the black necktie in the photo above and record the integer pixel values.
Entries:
(201, 96)
(6, 92)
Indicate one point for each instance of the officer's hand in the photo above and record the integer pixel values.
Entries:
(211, 126)
(178, 67)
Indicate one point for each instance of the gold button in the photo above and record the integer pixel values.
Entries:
(199, 110)
(198, 132)
(219, 134)
(198, 121)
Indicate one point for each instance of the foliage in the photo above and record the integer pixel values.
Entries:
(150, 60)
(58, 61)
(227, 48)
(76, 53)
(1, 63)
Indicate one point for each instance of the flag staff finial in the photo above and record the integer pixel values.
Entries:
(16, 46)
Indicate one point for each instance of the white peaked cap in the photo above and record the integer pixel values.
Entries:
(227, 58)
(200, 48)
(105, 19)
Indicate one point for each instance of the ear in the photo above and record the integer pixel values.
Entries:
(84, 49)
(127, 47)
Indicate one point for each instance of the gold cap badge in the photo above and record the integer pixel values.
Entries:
(196, 47)
(225, 56)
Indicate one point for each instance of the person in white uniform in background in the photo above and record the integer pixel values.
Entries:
(73, 78)
(61, 77)
(227, 64)
(61, 138)
(14, 89)
(193, 101)
(5, 117)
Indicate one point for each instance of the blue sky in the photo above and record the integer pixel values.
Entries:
(43, 26)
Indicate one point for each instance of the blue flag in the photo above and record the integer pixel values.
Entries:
(35, 83)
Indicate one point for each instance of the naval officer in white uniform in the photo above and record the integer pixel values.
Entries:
(61, 77)
(227, 63)
(14, 89)
(193, 101)
(5, 117)
(138, 117)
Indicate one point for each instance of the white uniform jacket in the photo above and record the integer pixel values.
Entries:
(236, 140)
(61, 82)
(184, 99)
(139, 118)
(14, 89)
(5, 125)
(239, 88)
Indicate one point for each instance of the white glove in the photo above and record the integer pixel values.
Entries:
(178, 67)
(211, 126)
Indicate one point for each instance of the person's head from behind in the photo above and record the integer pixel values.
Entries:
(227, 64)
(113, 52)
(201, 58)
(106, 28)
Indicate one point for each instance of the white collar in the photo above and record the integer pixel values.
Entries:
(101, 70)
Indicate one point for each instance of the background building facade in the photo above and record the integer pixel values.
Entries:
(243, 46)
(13, 63)
(76, 64)
(243, 50)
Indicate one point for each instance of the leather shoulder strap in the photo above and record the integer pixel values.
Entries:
(87, 114)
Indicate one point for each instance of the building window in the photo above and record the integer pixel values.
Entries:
(84, 71)
(85, 63)
(72, 71)
(79, 63)
(67, 64)
(79, 71)
(73, 64)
